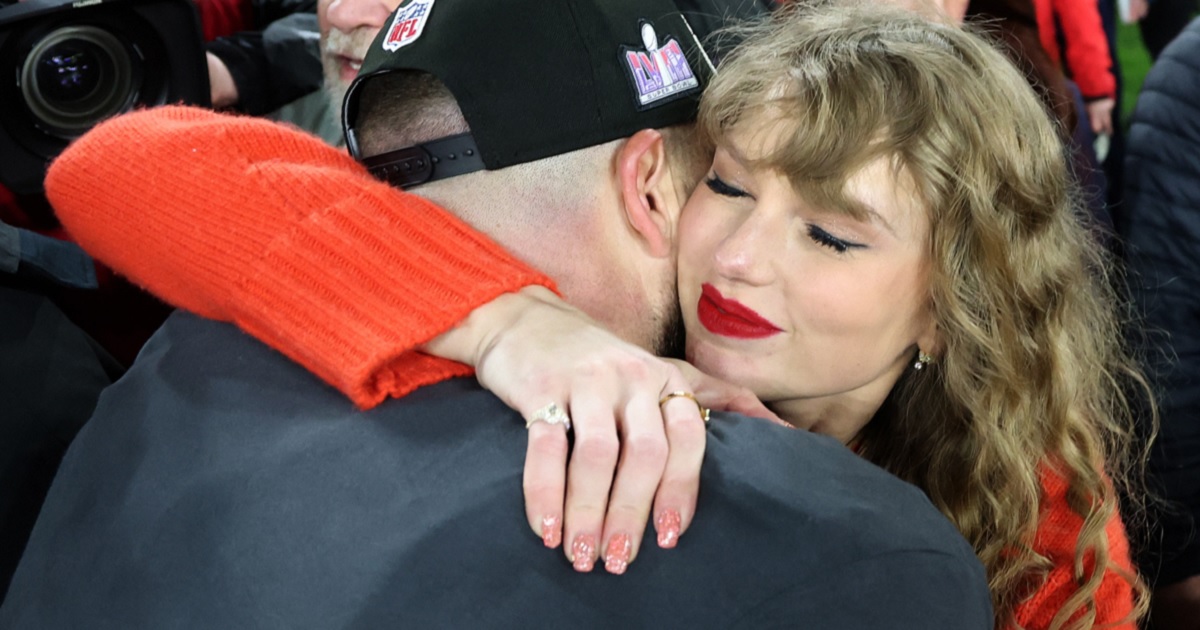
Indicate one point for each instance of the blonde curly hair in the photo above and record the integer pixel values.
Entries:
(1032, 367)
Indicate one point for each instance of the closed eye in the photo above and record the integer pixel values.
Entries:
(717, 185)
(821, 237)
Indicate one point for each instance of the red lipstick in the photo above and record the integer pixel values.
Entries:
(728, 318)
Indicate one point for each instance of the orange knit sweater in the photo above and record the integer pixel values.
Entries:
(254, 223)
(246, 221)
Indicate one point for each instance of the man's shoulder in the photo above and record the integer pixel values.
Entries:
(217, 467)
(204, 396)
(811, 483)
(824, 532)
(784, 478)
(190, 355)
(213, 370)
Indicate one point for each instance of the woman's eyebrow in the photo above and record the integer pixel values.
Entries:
(872, 215)
(879, 218)
(735, 154)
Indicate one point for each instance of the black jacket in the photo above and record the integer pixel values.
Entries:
(277, 63)
(1163, 196)
(51, 374)
(219, 485)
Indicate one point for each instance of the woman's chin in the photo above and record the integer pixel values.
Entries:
(722, 362)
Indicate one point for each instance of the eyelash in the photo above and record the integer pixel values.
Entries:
(717, 185)
(821, 237)
(818, 235)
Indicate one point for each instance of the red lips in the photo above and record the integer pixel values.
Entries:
(725, 317)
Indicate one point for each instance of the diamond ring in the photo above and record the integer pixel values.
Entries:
(550, 414)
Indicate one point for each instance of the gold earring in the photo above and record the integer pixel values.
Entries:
(922, 360)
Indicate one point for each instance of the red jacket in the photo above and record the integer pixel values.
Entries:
(224, 17)
(1088, 60)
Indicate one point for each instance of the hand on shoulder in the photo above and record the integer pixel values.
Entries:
(637, 441)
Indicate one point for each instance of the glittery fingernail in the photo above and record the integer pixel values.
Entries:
(551, 531)
(667, 524)
(616, 559)
(582, 549)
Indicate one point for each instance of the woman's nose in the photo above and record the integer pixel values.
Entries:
(747, 254)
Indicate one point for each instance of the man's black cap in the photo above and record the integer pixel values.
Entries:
(538, 78)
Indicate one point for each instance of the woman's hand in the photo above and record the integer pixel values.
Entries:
(720, 395)
(532, 350)
(630, 454)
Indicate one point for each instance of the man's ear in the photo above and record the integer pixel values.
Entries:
(648, 192)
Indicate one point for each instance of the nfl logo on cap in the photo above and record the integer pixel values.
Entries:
(407, 24)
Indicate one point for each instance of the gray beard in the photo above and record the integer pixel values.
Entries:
(334, 90)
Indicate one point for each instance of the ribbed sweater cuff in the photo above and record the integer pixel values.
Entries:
(339, 287)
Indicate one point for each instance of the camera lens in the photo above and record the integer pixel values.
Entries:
(69, 73)
(75, 77)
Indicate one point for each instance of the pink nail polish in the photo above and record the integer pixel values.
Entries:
(668, 524)
(616, 559)
(583, 548)
(551, 531)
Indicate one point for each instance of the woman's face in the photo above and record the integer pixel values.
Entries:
(816, 312)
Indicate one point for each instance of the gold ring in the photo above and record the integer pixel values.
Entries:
(550, 414)
(704, 412)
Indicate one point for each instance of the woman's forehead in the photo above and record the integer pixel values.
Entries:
(890, 193)
(882, 190)
(757, 138)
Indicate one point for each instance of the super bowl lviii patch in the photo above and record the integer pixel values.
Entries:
(658, 72)
(408, 24)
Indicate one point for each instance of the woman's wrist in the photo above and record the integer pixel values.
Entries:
(473, 338)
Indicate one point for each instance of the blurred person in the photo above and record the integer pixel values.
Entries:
(1137, 9)
(1163, 249)
(1014, 23)
(280, 71)
(115, 313)
(1042, 476)
(1161, 21)
(221, 485)
(257, 71)
(51, 375)
(1072, 32)
(1111, 151)
(1023, 28)
(68, 328)
(346, 29)
(219, 18)
(257, 52)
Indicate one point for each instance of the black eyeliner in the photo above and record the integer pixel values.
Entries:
(821, 237)
(717, 185)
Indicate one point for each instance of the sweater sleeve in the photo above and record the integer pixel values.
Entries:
(1057, 534)
(252, 222)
